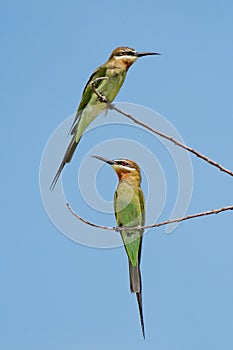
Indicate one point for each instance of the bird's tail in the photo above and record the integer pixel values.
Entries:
(66, 159)
(135, 287)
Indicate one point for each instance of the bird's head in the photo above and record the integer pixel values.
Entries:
(127, 55)
(125, 168)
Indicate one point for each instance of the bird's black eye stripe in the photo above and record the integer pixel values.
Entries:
(130, 53)
(126, 53)
(124, 163)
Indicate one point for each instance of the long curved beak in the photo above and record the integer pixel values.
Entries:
(108, 161)
(141, 54)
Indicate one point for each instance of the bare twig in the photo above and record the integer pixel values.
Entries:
(112, 228)
(169, 138)
(198, 154)
(88, 222)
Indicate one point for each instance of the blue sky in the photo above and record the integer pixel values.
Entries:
(57, 294)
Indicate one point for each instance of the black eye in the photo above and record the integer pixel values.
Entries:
(126, 53)
(130, 53)
(124, 163)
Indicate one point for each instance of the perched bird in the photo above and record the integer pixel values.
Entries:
(129, 206)
(114, 73)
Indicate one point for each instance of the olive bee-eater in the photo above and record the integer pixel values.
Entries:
(113, 73)
(129, 207)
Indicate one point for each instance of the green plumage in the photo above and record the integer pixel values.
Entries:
(90, 107)
(129, 212)
(129, 208)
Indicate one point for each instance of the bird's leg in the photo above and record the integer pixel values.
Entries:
(101, 97)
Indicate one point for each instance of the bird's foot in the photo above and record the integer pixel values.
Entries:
(102, 98)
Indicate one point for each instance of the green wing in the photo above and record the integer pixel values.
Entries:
(142, 206)
(132, 214)
(87, 93)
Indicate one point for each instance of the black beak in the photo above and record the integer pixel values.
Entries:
(141, 54)
(108, 161)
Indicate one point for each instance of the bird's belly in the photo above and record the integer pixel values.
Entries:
(90, 112)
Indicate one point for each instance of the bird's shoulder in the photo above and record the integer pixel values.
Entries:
(87, 94)
(88, 90)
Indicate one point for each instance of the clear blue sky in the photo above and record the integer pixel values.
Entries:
(57, 294)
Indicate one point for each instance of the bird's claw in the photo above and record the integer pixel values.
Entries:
(102, 98)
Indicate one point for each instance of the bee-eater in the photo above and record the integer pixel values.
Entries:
(114, 73)
(129, 206)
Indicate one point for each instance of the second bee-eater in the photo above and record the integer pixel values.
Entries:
(114, 73)
(129, 206)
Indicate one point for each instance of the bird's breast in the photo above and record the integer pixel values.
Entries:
(112, 86)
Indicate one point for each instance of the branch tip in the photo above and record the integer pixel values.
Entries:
(159, 133)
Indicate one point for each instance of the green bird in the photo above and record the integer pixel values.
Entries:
(113, 73)
(129, 206)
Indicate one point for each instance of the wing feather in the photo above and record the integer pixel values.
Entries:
(87, 93)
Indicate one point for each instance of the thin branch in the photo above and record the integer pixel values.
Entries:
(192, 216)
(177, 143)
(88, 222)
(169, 138)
